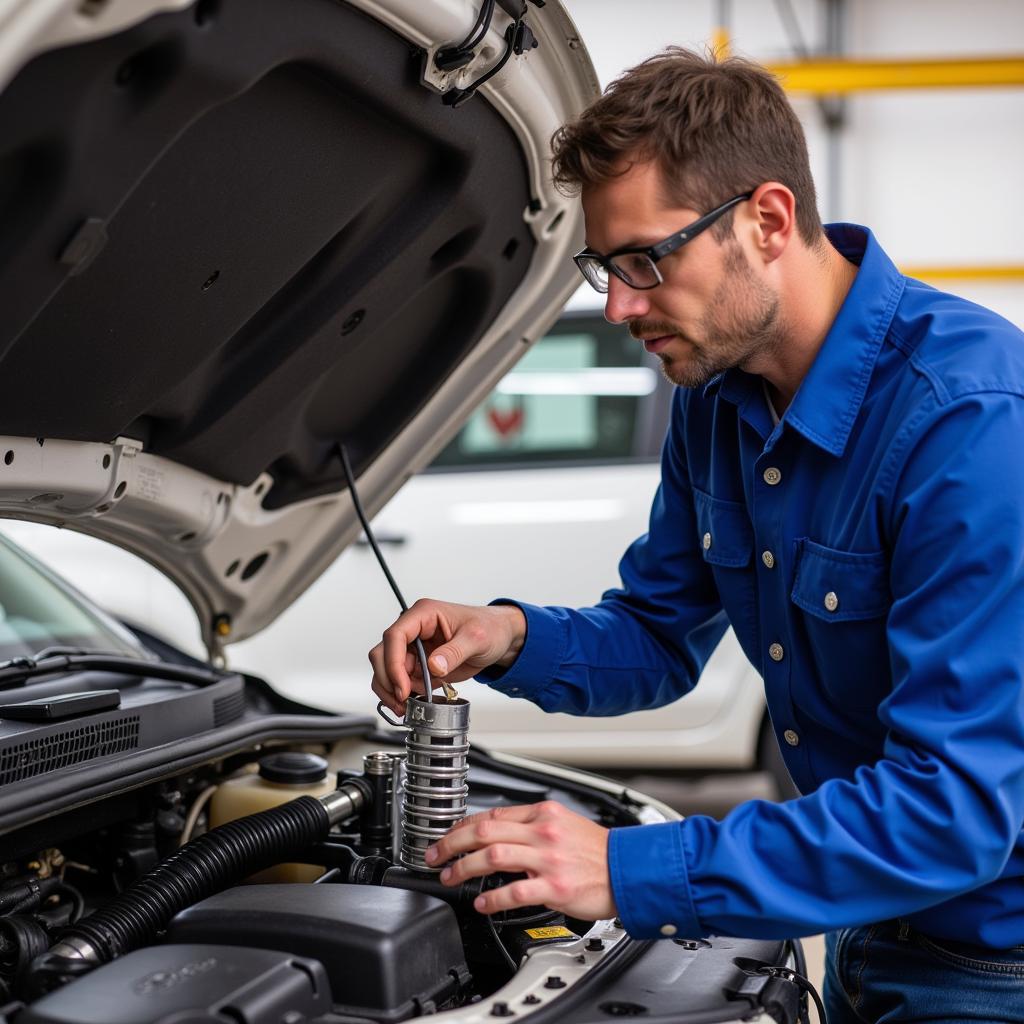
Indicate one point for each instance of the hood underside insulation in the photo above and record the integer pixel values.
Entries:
(242, 232)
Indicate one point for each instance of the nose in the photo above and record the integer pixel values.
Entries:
(624, 303)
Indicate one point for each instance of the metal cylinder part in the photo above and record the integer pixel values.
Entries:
(348, 799)
(375, 821)
(436, 764)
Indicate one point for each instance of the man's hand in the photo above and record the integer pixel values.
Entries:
(564, 855)
(460, 640)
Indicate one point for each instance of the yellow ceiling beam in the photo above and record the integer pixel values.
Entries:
(829, 77)
(978, 272)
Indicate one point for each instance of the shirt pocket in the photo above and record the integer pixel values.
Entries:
(725, 538)
(845, 596)
(724, 531)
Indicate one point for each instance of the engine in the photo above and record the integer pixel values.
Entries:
(281, 890)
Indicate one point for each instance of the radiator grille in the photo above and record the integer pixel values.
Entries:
(26, 760)
(228, 708)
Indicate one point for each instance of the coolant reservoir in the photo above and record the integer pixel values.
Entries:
(282, 777)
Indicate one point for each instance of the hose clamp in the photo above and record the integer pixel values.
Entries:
(75, 948)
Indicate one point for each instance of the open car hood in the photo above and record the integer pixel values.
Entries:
(238, 232)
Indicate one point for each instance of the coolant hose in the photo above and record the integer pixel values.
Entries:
(205, 865)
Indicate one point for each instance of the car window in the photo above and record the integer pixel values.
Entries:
(580, 394)
(36, 613)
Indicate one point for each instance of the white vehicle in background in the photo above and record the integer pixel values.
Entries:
(536, 498)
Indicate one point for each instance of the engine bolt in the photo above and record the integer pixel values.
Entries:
(595, 945)
(502, 1010)
(532, 1000)
(554, 981)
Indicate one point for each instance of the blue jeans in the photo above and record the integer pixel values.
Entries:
(891, 973)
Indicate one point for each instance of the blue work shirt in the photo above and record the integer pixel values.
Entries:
(869, 553)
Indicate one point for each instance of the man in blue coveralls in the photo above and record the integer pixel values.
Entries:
(843, 483)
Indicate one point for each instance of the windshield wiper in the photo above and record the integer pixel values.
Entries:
(17, 671)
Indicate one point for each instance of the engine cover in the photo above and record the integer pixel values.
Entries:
(389, 953)
(197, 983)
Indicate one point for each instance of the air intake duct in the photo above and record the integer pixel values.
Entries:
(206, 865)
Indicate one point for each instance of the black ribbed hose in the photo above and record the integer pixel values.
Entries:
(206, 865)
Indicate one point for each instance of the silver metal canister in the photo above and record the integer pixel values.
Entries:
(437, 749)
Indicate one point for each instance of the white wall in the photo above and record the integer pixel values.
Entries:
(936, 174)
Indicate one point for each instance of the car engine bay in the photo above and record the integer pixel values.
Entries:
(285, 882)
(343, 882)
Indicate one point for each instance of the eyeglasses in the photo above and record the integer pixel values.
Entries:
(636, 265)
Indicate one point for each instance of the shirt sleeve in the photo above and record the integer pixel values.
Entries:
(940, 812)
(646, 642)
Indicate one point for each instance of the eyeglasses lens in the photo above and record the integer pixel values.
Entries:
(636, 269)
(594, 273)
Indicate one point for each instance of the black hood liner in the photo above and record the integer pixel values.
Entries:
(301, 240)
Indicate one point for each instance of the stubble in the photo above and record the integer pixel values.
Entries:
(741, 323)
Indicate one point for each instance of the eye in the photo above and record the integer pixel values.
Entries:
(637, 267)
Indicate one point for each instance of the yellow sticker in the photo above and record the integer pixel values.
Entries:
(550, 933)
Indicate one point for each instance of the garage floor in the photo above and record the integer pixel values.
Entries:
(715, 795)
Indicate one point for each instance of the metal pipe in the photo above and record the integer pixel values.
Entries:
(348, 799)
(833, 111)
(825, 77)
(720, 33)
(981, 272)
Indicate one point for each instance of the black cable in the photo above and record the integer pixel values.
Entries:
(452, 57)
(800, 981)
(77, 901)
(483, 23)
(501, 945)
(513, 42)
(800, 966)
(27, 895)
(351, 481)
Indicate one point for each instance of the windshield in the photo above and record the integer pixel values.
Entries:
(36, 612)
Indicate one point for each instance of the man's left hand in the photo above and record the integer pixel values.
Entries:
(564, 856)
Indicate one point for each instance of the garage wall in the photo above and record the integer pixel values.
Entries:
(936, 174)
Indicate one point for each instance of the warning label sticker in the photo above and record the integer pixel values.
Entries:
(550, 933)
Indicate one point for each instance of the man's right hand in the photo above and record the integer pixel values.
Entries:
(460, 641)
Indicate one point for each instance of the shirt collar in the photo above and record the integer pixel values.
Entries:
(746, 392)
(830, 396)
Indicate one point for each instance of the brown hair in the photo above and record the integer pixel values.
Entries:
(716, 128)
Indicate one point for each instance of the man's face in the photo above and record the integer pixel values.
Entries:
(712, 311)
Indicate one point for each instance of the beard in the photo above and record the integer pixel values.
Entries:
(741, 322)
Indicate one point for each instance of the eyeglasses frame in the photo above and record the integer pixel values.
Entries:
(659, 250)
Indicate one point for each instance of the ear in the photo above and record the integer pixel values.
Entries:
(773, 208)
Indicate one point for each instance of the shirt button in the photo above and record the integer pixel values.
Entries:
(668, 930)
(772, 476)
(769, 559)
(791, 738)
(831, 601)
(776, 653)
(706, 541)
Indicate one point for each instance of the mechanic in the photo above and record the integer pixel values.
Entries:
(842, 482)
